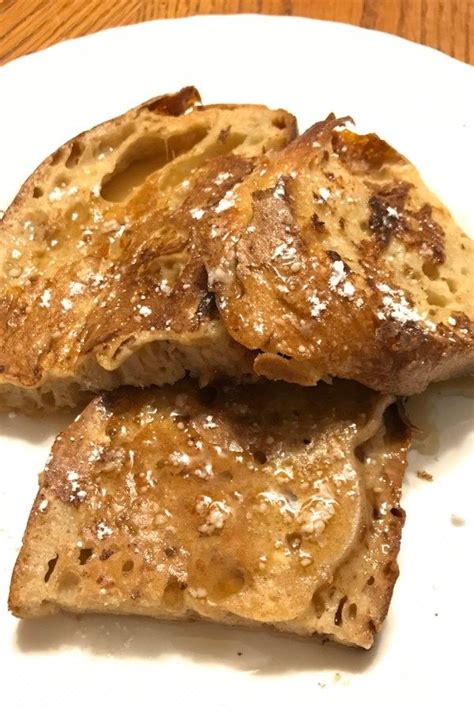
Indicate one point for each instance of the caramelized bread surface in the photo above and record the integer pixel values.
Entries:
(334, 259)
(256, 504)
(99, 285)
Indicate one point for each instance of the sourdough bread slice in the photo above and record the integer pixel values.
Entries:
(334, 259)
(183, 503)
(98, 286)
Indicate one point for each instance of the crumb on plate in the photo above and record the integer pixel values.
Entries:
(423, 474)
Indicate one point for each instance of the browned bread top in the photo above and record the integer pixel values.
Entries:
(334, 259)
(246, 505)
(98, 286)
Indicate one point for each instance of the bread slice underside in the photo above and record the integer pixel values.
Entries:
(185, 503)
(98, 285)
(334, 259)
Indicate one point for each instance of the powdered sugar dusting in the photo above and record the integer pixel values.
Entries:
(317, 306)
(45, 299)
(76, 288)
(226, 203)
(348, 289)
(144, 310)
(221, 177)
(338, 273)
(102, 530)
(279, 190)
(397, 307)
(197, 213)
(217, 512)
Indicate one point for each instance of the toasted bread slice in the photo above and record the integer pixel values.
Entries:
(185, 503)
(98, 286)
(334, 259)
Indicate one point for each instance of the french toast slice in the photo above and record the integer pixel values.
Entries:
(99, 286)
(185, 503)
(334, 259)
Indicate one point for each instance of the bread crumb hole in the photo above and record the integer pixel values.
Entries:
(84, 555)
(230, 141)
(68, 581)
(409, 272)
(436, 299)
(57, 157)
(452, 286)
(431, 271)
(230, 581)
(62, 181)
(127, 567)
(259, 456)
(75, 155)
(114, 139)
(144, 157)
(389, 570)
(173, 595)
(371, 580)
(51, 567)
(38, 192)
(352, 611)
(279, 122)
(395, 511)
(318, 604)
(340, 608)
(78, 213)
(293, 540)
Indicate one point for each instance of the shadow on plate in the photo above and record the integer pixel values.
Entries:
(443, 416)
(35, 430)
(259, 652)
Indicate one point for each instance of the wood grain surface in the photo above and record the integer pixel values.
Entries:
(29, 25)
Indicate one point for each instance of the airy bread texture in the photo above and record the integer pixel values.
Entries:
(183, 503)
(99, 285)
(334, 259)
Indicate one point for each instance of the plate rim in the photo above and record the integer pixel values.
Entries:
(241, 18)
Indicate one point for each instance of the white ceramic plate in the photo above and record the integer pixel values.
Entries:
(419, 100)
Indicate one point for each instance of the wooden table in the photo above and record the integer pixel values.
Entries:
(29, 25)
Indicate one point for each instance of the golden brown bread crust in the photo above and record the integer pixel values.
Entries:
(99, 285)
(180, 503)
(333, 259)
